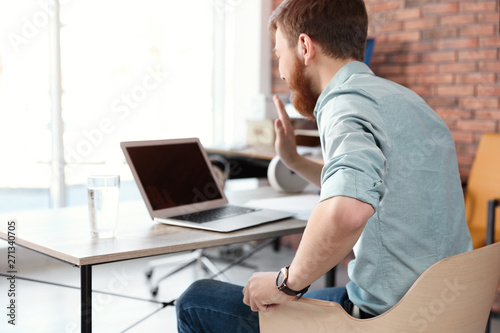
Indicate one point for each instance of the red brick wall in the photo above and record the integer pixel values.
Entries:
(448, 52)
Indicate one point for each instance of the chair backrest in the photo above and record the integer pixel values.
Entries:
(483, 185)
(454, 295)
(370, 44)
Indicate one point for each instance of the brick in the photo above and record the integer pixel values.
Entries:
(479, 102)
(421, 24)
(403, 36)
(466, 149)
(489, 41)
(475, 125)
(450, 123)
(405, 58)
(464, 173)
(404, 80)
(385, 6)
(421, 90)
(378, 58)
(390, 47)
(419, 47)
(480, 6)
(406, 14)
(389, 27)
(488, 90)
(433, 79)
(458, 19)
(488, 17)
(489, 66)
(447, 56)
(440, 8)
(454, 90)
(477, 30)
(477, 55)
(461, 43)
(488, 114)
(481, 78)
(390, 69)
(416, 3)
(457, 67)
(453, 113)
(420, 68)
(442, 101)
(463, 137)
(443, 32)
(465, 159)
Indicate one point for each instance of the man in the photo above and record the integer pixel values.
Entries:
(390, 186)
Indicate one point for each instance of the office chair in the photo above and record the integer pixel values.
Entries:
(179, 262)
(370, 44)
(483, 189)
(483, 192)
(453, 295)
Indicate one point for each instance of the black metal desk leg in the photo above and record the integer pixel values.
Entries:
(86, 298)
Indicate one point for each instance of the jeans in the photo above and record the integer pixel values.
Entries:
(210, 306)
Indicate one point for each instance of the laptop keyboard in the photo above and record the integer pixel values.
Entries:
(214, 214)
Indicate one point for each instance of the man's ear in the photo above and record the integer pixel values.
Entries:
(306, 49)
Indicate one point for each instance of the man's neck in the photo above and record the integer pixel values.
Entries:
(325, 70)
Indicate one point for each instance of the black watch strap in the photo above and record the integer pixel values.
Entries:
(281, 281)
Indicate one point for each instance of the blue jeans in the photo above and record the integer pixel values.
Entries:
(213, 307)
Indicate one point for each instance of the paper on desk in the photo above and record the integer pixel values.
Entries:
(301, 205)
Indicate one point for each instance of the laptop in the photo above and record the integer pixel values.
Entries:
(178, 185)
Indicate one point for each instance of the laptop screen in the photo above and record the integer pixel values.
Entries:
(173, 175)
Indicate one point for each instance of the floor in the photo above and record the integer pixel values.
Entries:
(48, 296)
(44, 307)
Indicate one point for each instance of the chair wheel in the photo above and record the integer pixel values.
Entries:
(154, 292)
(149, 274)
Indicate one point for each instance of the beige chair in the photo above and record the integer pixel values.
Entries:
(454, 295)
(483, 186)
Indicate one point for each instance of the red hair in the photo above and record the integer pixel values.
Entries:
(339, 26)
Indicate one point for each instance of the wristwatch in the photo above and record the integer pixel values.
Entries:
(281, 280)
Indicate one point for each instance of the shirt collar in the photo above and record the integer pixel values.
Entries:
(349, 69)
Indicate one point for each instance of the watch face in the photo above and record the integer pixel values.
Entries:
(281, 277)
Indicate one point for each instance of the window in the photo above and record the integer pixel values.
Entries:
(133, 70)
(130, 70)
(24, 96)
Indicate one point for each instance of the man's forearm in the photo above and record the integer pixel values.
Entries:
(333, 228)
(307, 169)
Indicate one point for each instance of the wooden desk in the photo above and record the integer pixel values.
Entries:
(64, 234)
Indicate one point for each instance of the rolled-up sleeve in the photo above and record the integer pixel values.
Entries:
(352, 150)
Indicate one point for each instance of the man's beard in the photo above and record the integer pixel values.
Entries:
(302, 97)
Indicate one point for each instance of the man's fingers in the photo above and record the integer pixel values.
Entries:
(269, 307)
(279, 105)
(246, 298)
(278, 127)
(281, 109)
(254, 307)
(285, 122)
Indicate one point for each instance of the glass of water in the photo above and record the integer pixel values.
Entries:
(103, 197)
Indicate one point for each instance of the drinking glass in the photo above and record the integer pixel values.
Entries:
(103, 197)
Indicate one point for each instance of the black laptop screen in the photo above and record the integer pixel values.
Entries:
(173, 175)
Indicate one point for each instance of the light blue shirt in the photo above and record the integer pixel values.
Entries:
(383, 145)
